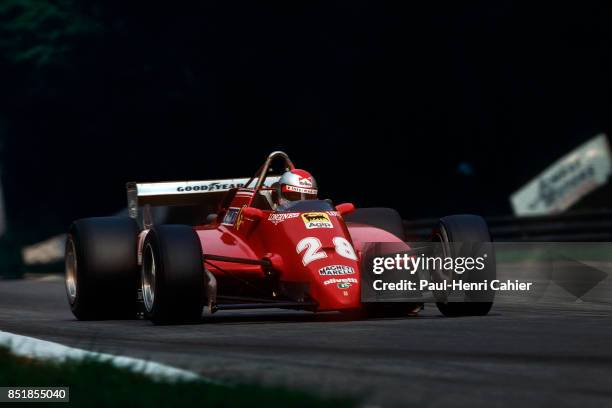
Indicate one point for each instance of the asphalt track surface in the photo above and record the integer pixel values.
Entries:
(543, 354)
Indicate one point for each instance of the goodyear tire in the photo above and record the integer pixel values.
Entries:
(467, 235)
(384, 218)
(101, 268)
(172, 275)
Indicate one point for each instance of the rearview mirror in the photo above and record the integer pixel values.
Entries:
(345, 208)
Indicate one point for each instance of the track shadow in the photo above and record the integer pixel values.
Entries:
(295, 317)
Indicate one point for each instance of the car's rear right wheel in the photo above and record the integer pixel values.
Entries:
(101, 268)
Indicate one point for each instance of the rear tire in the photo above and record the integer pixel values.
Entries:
(101, 268)
(172, 275)
(473, 234)
(384, 218)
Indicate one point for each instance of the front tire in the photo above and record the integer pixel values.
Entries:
(101, 268)
(467, 235)
(172, 275)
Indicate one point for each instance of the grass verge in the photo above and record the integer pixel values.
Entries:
(98, 384)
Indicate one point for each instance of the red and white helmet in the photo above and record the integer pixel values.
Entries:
(297, 185)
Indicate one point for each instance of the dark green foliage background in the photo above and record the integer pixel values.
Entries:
(372, 97)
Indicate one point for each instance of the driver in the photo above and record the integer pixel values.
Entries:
(294, 185)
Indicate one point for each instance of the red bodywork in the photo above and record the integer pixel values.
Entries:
(296, 256)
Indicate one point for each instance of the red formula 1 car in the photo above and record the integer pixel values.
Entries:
(264, 242)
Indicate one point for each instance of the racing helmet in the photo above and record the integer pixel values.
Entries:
(296, 185)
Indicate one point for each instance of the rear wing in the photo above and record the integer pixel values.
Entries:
(206, 194)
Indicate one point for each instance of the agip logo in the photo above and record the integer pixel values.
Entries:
(316, 220)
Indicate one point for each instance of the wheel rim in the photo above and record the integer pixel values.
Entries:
(71, 271)
(148, 277)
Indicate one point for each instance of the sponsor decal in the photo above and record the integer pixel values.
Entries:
(316, 220)
(304, 190)
(333, 213)
(331, 281)
(199, 186)
(230, 216)
(336, 270)
(277, 218)
(344, 285)
(305, 181)
(209, 187)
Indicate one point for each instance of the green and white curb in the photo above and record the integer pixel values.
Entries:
(30, 347)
